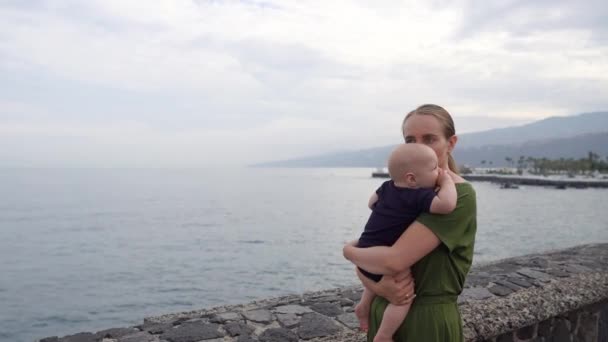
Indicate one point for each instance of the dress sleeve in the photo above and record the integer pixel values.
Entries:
(455, 229)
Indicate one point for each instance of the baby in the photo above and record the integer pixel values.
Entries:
(395, 205)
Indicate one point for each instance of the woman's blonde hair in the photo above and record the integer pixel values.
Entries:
(446, 121)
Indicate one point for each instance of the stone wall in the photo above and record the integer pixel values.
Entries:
(558, 296)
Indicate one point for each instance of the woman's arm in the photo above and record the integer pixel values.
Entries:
(416, 242)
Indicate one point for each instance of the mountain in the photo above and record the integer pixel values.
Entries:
(573, 147)
(550, 128)
(554, 137)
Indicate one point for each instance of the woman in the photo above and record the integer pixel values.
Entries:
(437, 248)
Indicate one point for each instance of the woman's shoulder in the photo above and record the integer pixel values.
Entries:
(467, 197)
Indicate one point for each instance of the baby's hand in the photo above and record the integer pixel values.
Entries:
(443, 177)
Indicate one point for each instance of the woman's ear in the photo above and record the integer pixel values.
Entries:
(452, 142)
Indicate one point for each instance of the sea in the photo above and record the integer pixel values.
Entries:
(90, 249)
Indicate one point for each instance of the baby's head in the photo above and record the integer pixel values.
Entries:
(413, 166)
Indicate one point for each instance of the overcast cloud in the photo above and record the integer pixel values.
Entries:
(196, 83)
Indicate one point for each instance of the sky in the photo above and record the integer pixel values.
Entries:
(119, 83)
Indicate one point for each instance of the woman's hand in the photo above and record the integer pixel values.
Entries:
(397, 289)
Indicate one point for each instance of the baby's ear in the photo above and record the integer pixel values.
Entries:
(410, 177)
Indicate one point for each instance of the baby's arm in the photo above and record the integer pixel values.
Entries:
(372, 200)
(445, 201)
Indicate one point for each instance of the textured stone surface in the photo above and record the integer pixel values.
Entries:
(228, 316)
(316, 325)
(292, 309)
(587, 328)
(50, 339)
(534, 274)
(260, 316)
(327, 309)
(288, 320)
(192, 332)
(349, 319)
(80, 337)
(566, 291)
(519, 282)
(476, 293)
(278, 335)
(156, 328)
(141, 336)
(603, 323)
(545, 327)
(236, 328)
(526, 332)
(246, 339)
(561, 331)
(115, 332)
(500, 290)
(508, 337)
(353, 294)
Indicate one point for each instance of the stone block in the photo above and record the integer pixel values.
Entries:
(508, 337)
(561, 331)
(476, 293)
(354, 295)
(316, 325)
(519, 282)
(226, 317)
(258, 316)
(500, 290)
(292, 309)
(115, 332)
(587, 330)
(534, 274)
(192, 332)
(576, 269)
(558, 273)
(156, 328)
(526, 333)
(80, 337)
(278, 335)
(545, 327)
(346, 302)
(237, 329)
(603, 323)
(246, 339)
(141, 336)
(288, 320)
(327, 309)
(573, 318)
(508, 284)
(350, 320)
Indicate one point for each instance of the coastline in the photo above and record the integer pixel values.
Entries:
(527, 180)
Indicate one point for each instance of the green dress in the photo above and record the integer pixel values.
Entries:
(439, 276)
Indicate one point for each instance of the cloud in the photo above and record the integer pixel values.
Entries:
(259, 80)
(525, 18)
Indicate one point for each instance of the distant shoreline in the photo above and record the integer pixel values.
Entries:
(526, 180)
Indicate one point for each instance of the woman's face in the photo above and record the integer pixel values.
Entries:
(426, 129)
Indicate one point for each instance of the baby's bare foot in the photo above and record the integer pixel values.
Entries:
(362, 313)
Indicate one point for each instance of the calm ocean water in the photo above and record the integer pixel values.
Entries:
(84, 250)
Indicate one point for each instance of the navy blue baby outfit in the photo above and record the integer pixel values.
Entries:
(394, 211)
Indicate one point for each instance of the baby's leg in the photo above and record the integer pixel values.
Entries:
(391, 320)
(362, 309)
